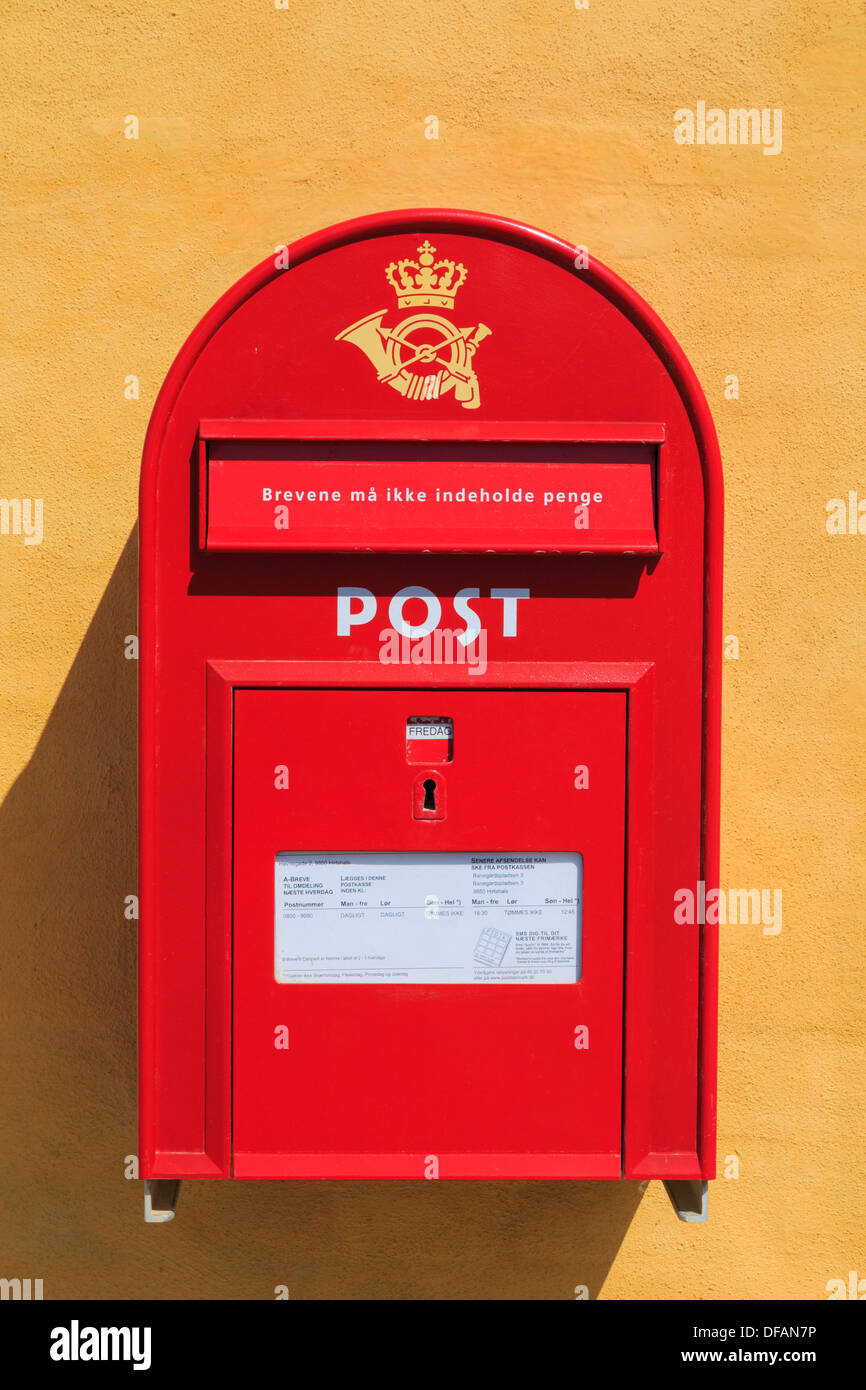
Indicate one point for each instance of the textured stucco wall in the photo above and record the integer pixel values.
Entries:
(257, 125)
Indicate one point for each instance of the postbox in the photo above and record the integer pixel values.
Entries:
(430, 606)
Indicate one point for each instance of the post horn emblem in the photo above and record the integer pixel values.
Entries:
(424, 355)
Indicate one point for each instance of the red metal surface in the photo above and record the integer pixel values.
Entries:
(565, 346)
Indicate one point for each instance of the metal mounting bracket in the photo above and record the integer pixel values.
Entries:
(689, 1198)
(160, 1198)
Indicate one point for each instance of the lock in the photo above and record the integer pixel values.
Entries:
(428, 796)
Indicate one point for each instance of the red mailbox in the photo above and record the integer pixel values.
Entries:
(431, 529)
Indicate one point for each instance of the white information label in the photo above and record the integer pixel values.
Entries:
(428, 918)
(429, 728)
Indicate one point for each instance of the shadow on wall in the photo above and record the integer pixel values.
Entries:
(71, 1216)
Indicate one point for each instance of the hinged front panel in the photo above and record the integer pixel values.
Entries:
(428, 955)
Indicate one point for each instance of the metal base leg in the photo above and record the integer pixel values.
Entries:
(160, 1198)
(689, 1198)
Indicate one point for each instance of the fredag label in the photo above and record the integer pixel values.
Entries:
(414, 918)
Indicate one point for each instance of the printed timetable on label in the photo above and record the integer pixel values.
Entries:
(456, 918)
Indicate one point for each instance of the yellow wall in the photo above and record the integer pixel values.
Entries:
(258, 125)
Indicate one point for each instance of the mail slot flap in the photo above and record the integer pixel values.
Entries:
(545, 492)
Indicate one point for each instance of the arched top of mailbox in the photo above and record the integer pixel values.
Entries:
(486, 227)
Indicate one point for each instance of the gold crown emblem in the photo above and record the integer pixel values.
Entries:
(425, 281)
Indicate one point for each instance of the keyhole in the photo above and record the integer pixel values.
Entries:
(429, 794)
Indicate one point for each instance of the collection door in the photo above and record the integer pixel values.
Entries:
(428, 933)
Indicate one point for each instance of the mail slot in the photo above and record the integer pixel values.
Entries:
(430, 577)
(330, 493)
